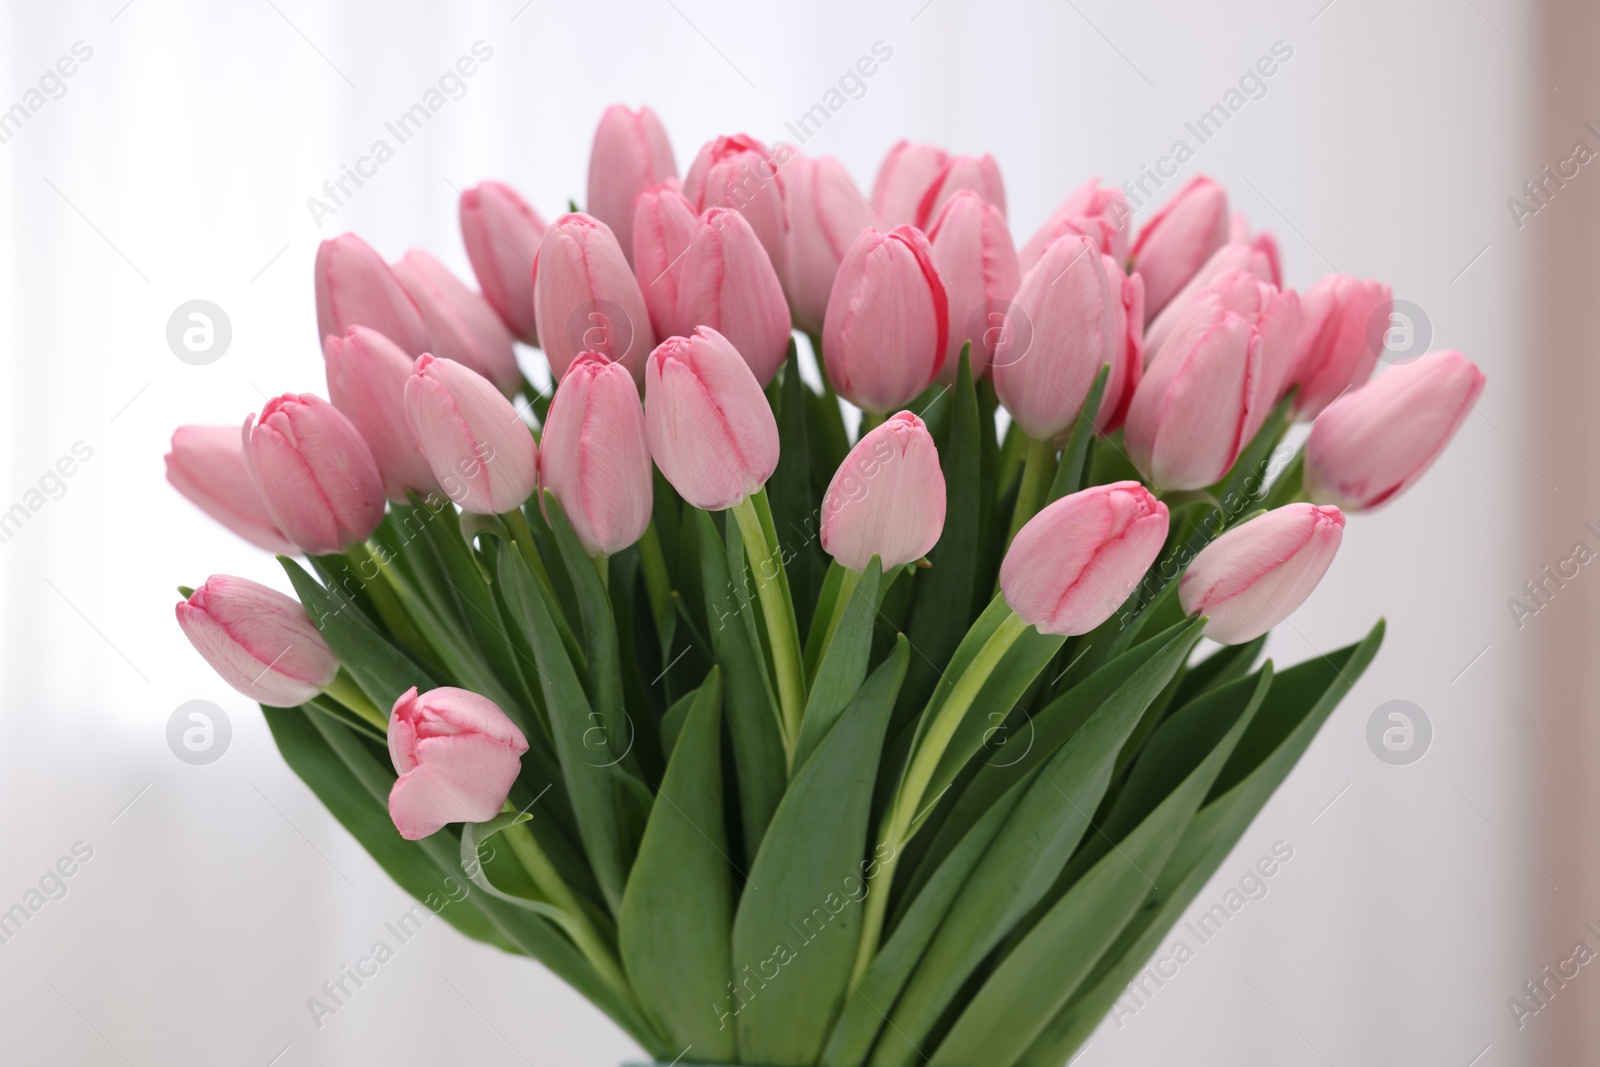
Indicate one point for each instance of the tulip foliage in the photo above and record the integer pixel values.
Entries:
(783, 743)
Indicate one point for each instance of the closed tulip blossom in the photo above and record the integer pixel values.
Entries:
(261, 642)
(595, 457)
(502, 233)
(458, 755)
(585, 298)
(207, 465)
(367, 375)
(1275, 316)
(663, 225)
(1231, 257)
(1255, 575)
(977, 174)
(478, 446)
(355, 287)
(462, 325)
(1075, 562)
(903, 177)
(973, 251)
(741, 173)
(1081, 313)
(315, 472)
(887, 499)
(1372, 443)
(1102, 215)
(1261, 241)
(1178, 240)
(710, 428)
(1342, 324)
(728, 283)
(887, 329)
(826, 213)
(631, 153)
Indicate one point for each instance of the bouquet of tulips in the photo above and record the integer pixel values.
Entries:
(788, 740)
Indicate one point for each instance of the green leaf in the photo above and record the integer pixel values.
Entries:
(672, 721)
(795, 934)
(844, 664)
(793, 499)
(824, 618)
(1221, 667)
(473, 838)
(1072, 475)
(678, 909)
(380, 668)
(752, 713)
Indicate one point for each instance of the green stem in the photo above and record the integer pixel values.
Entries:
(517, 523)
(904, 815)
(376, 580)
(657, 584)
(343, 688)
(602, 566)
(778, 609)
(870, 420)
(1038, 470)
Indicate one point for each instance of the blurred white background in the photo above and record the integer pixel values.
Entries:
(177, 165)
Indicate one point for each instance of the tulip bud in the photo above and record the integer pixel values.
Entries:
(355, 287)
(1256, 574)
(1179, 239)
(462, 325)
(367, 375)
(887, 328)
(973, 251)
(979, 174)
(316, 474)
(739, 172)
(502, 234)
(1189, 414)
(1233, 256)
(457, 754)
(826, 213)
(887, 499)
(1077, 311)
(663, 224)
(710, 428)
(1074, 564)
(585, 297)
(478, 446)
(207, 465)
(595, 458)
(1372, 443)
(1262, 242)
(261, 642)
(631, 154)
(1102, 215)
(727, 283)
(903, 177)
(1342, 324)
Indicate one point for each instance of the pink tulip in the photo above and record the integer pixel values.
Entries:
(261, 642)
(1077, 311)
(1256, 574)
(663, 224)
(826, 213)
(978, 174)
(355, 287)
(1073, 564)
(887, 498)
(476, 443)
(367, 375)
(458, 756)
(710, 428)
(1370, 445)
(1233, 256)
(462, 325)
(1262, 242)
(1342, 324)
(631, 154)
(728, 283)
(502, 234)
(595, 457)
(1191, 411)
(1178, 240)
(973, 251)
(739, 172)
(903, 177)
(207, 465)
(1088, 211)
(585, 297)
(316, 474)
(887, 329)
